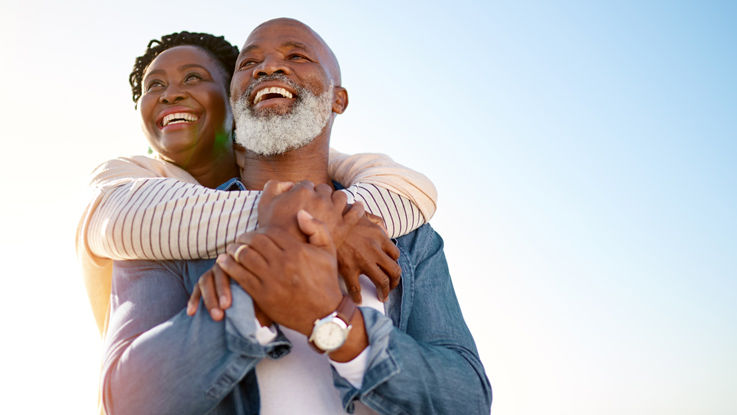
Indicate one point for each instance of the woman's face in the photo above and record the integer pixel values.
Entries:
(184, 107)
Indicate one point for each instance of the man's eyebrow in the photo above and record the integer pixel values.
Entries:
(248, 49)
(295, 44)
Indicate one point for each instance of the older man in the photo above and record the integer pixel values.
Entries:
(292, 341)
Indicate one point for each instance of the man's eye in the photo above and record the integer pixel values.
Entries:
(246, 63)
(296, 57)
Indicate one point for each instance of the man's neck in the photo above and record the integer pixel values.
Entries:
(309, 162)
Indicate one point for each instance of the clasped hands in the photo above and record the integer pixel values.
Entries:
(290, 265)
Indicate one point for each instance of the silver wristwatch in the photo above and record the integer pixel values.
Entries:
(331, 331)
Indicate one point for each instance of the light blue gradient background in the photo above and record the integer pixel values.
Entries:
(584, 155)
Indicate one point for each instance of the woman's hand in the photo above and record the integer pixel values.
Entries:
(213, 288)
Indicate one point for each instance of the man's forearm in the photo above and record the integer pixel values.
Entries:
(405, 375)
(423, 358)
(160, 360)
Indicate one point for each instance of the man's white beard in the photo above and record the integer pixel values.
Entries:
(272, 134)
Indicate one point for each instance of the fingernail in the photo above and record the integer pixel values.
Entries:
(223, 301)
(216, 314)
(189, 309)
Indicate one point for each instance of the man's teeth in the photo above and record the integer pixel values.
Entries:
(271, 90)
(178, 118)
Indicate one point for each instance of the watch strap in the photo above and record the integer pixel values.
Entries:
(346, 309)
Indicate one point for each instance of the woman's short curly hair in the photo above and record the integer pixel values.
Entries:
(225, 53)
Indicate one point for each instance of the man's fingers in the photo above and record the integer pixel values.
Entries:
(316, 231)
(272, 189)
(261, 244)
(222, 286)
(194, 300)
(393, 271)
(352, 285)
(339, 198)
(390, 249)
(207, 287)
(275, 188)
(377, 220)
(237, 251)
(245, 278)
(380, 280)
(324, 190)
(244, 238)
(354, 214)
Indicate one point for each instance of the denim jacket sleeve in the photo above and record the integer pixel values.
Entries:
(160, 360)
(423, 358)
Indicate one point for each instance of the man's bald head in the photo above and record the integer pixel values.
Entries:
(286, 88)
(305, 33)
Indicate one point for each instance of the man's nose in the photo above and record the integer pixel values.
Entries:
(172, 95)
(269, 66)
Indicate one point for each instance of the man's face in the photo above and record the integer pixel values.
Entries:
(282, 89)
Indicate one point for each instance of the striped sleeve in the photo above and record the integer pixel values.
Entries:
(400, 215)
(160, 218)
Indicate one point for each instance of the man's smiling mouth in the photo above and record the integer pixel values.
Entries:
(271, 92)
(178, 118)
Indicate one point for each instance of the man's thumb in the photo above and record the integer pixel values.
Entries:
(316, 231)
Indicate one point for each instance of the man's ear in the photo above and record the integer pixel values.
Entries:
(340, 99)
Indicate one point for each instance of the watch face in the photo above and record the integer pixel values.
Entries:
(329, 336)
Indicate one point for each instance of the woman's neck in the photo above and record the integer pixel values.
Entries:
(216, 170)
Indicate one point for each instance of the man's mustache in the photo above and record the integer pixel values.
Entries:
(267, 78)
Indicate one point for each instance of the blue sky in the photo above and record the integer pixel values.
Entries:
(584, 155)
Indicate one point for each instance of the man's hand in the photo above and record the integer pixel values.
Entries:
(368, 250)
(279, 205)
(362, 245)
(293, 282)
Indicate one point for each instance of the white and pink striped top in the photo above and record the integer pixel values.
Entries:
(174, 218)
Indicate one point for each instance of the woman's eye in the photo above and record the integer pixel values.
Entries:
(192, 77)
(153, 84)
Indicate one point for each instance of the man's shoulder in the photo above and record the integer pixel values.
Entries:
(420, 242)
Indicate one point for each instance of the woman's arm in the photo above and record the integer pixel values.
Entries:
(149, 217)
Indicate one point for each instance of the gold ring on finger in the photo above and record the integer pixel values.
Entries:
(238, 252)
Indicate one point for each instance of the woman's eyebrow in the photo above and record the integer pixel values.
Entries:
(193, 65)
(154, 72)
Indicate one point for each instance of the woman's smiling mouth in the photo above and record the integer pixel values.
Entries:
(176, 117)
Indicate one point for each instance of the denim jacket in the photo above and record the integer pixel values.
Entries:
(158, 360)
